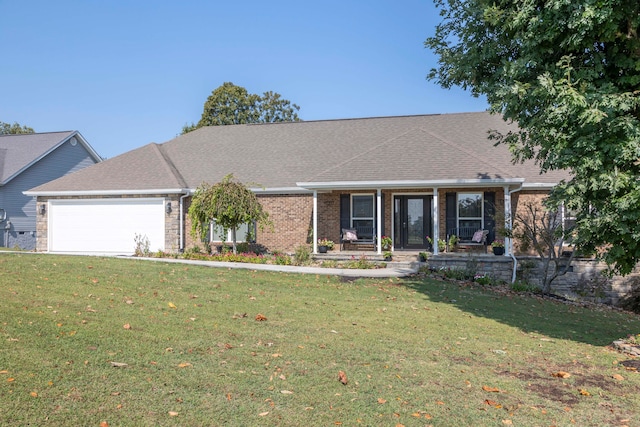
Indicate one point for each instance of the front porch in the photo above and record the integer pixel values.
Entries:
(415, 219)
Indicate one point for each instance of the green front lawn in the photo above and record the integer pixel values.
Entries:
(85, 341)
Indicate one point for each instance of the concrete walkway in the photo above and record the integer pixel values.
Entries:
(389, 271)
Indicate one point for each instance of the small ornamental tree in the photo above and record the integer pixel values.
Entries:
(230, 203)
(537, 227)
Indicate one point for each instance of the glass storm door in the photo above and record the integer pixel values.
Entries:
(412, 221)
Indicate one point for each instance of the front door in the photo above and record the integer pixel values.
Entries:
(412, 221)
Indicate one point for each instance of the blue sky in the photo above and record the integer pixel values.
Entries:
(129, 72)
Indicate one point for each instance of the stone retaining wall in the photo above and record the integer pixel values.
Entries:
(586, 280)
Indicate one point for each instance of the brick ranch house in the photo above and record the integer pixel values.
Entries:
(405, 177)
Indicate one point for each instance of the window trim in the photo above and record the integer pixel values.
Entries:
(250, 227)
(470, 218)
(373, 209)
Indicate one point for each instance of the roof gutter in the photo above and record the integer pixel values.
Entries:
(451, 183)
(105, 192)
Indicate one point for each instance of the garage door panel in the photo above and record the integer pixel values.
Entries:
(105, 225)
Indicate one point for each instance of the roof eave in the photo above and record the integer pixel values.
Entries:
(450, 183)
(76, 193)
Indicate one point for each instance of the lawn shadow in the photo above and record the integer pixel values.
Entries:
(593, 324)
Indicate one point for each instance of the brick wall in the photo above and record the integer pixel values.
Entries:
(290, 215)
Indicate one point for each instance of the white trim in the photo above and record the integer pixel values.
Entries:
(538, 185)
(436, 221)
(275, 190)
(452, 183)
(379, 221)
(315, 222)
(86, 193)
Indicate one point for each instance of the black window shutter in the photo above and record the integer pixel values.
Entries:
(345, 211)
(451, 213)
(489, 215)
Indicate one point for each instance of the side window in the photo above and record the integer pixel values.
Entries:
(244, 233)
(568, 221)
(470, 210)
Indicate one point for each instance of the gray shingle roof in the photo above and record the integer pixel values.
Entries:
(280, 155)
(18, 152)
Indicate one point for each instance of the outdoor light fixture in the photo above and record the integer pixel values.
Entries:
(43, 209)
(168, 207)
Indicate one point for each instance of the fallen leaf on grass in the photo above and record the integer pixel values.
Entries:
(126, 326)
(118, 364)
(561, 374)
(260, 318)
(262, 414)
(342, 377)
(381, 401)
(507, 422)
(173, 413)
(104, 424)
(172, 305)
(492, 403)
(184, 365)
(33, 394)
(286, 392)
(617, 377)
(491, 389)
(584, 392)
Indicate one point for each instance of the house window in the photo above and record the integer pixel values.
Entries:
(568, 218)
(470, 213)
(244, 233)
(362, 211)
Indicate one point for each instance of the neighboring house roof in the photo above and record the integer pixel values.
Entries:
(19, 152)
(448, 149)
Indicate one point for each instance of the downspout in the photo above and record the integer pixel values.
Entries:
(378, 222)
(509, 225)
(181, 231)
(315, 221)
(436, 222)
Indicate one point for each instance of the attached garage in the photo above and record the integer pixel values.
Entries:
(105, 225)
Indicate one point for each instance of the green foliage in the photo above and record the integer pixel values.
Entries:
(15, 128)
(568, 73)
(362, 263)
(231, 105)
(302, 255)
(524, 286)
(229, 202)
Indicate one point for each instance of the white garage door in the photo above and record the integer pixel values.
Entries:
(105, 225)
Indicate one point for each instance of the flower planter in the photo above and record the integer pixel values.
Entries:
(323, 249)
(498, 251)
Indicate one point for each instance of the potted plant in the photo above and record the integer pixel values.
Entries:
(422, 256)
(386, 242)
(498, 247)
(388, 255)
(324, 245)
(441, 244)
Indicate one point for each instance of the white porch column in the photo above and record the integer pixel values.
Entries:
(315, 221)
(379, 221)
(436, 222)
(508, 250)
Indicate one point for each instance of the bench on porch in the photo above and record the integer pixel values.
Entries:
(358, 236)
(469, 236)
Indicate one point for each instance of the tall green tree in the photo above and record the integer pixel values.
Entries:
(15, 128)
(230, 203)
(231, 105)
(568, 73)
